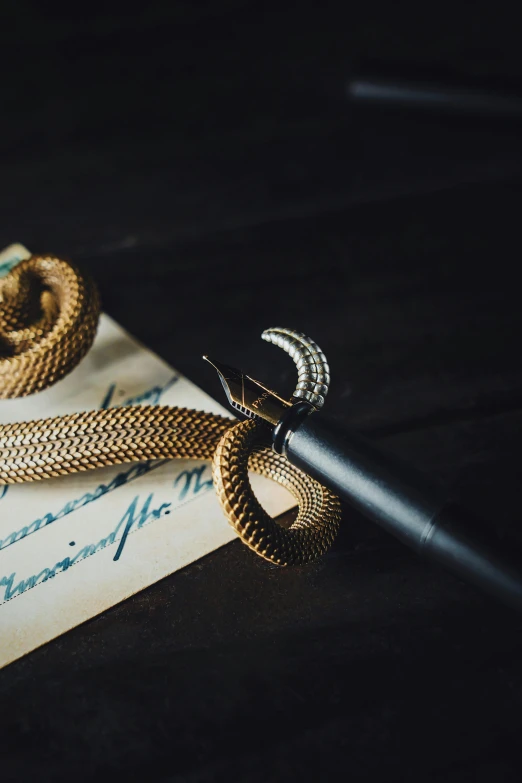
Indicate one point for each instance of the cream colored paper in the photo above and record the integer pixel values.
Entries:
(75, 546)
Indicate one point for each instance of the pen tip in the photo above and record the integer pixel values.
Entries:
(209, 360)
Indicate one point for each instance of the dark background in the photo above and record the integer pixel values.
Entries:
(201, 161)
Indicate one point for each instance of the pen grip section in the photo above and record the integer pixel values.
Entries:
(397, 497)
(404, 502)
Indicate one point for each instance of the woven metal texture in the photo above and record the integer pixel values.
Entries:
(48, 319)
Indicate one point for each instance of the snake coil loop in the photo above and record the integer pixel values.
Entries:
(48, 318)
(245, 447)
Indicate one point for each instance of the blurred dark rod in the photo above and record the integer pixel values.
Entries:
(452, 99)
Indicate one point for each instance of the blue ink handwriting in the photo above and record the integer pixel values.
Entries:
(125, 477)
(6, 266)
(133, 518)
(150, 396)
(192, 479)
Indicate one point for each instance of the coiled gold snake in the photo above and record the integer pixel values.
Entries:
(48, 319)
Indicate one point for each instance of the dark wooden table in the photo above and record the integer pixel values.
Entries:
(397, 248)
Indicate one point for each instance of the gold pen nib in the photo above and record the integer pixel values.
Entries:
(248, 396)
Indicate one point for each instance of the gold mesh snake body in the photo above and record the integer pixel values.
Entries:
(48, 319)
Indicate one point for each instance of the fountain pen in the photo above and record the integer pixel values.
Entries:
(396, 496)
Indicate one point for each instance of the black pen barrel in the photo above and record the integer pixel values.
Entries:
(448, 98)
(406, 503)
